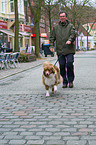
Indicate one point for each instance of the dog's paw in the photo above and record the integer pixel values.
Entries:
(47, 94)
(55, 89)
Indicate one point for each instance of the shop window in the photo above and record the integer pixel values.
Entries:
(3, 6)
(11, 6)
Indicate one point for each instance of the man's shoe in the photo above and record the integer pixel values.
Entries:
(71, 85)
(64, 86)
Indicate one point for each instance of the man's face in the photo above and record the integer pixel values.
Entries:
(63, 17)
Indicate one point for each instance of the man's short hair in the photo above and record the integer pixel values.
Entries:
(63, 12)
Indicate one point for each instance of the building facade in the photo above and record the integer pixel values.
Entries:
(82, 38)
(7, 24)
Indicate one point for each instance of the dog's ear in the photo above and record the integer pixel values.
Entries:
(53, 70)
(44, 70)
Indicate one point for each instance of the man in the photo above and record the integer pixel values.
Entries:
(64, 35)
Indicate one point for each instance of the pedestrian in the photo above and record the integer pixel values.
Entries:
(64, 35)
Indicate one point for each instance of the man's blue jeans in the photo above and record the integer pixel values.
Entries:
(66, 67)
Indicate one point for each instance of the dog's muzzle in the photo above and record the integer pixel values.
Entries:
(47, 73)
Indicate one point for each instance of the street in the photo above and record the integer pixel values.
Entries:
(28, 117)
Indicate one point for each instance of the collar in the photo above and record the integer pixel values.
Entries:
(64, 24)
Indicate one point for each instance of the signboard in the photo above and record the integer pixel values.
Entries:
(44, 35)
(3, 24)
(46, 41)
(27, 28)
(40, 35)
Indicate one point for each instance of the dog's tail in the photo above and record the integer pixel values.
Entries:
(58, 73)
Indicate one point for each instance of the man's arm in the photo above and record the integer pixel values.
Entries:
(72, 36)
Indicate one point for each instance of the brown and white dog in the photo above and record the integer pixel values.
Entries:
(50, 77)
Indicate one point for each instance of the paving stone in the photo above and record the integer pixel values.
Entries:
(11, 126)
(89, 137)
(35, 142)
(55, 142)
(62, 134)
(3, 142)
(71, 138)
(92, 142)
(26, 133)
(52, 137)
(76, 142)
(1, 136)
(52, 129)
(43, 133)
(31, 137)
(17, 142)
(13, 137)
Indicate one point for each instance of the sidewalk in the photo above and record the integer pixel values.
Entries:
(28, 65)
(23, 67)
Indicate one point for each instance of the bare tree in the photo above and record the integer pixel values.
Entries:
(79, 12)
(50, 10)
(36, 11)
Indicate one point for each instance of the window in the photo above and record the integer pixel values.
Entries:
(21, 7)
(95, 35)
(29, 19)
(11, 5)
(3, 6)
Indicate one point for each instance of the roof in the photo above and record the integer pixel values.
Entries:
(94, 26)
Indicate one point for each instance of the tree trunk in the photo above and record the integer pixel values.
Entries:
(37, 39)
(16, 42)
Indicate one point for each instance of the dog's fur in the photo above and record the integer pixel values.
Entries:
(50, 77)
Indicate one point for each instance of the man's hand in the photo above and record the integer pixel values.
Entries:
(68, 42)
(51, 49)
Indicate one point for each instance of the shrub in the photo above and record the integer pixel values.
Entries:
(26, 57)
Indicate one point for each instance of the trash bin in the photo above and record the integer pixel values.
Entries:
(47, 51)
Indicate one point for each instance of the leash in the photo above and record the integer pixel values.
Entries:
(60, 55)
(56, 62)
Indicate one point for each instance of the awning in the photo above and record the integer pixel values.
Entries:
(8, 32)
(24, 33)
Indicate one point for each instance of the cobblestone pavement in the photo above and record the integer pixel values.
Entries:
(62, 119)
(66, 118)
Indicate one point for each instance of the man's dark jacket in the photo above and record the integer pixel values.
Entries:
(63, 32)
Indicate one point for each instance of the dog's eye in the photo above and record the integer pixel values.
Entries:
(45, 69)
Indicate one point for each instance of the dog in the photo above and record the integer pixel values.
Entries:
(50, 77)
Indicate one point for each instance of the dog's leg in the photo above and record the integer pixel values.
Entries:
(55, 88)
(47, 91)
(52, 89)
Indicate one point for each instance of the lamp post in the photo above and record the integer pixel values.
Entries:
(81, 41)
(32, 25)
(87, 36)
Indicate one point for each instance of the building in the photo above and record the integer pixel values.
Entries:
(7, 24)
(82, 38)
